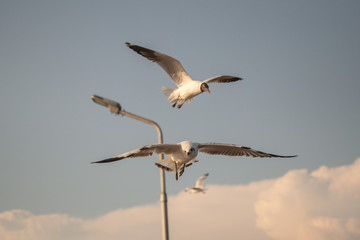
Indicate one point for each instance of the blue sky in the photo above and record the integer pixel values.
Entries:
(300, 95)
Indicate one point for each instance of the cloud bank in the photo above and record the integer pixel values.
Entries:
(323, 204)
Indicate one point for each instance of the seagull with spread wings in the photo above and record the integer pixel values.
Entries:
(187, 88)
(182, 154)
(199, 185)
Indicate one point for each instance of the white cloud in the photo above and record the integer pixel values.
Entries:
(323, 204)
(22, 225)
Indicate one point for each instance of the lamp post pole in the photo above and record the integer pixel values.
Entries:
(116, 108)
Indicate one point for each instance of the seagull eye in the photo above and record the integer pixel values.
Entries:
(192, 149)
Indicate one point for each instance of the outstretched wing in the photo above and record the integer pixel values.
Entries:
(222, 79)
(200, 181)
(235, 150)
(171, 65)
(145, 151)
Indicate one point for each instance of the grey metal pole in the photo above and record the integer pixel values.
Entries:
(115, 108)
(163, 196)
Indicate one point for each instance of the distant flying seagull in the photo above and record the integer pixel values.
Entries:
(187, 88)
(182, 154)
(198, 186)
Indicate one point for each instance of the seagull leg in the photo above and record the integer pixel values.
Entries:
(182, 170)
(176, 172)
(176, 101)
(180, 105)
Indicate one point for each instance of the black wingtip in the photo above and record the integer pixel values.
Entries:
(292, 156)
(128, 44)
(232, 78)
(108, 160)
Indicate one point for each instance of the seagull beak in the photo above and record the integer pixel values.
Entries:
(208, 90)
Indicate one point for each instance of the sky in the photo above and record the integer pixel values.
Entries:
(300, 61)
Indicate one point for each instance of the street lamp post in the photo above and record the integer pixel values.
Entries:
(115, 107)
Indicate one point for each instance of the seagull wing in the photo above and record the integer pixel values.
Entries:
(234, 150)
(171, 65)
(222, 79)
(167, 149)
(200, 181)
(145, 151)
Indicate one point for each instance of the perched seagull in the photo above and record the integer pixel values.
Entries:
(199, 185)
(187, 88)
(181, 155)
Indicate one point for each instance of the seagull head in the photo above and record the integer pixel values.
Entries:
(204, 87)
(190, 151)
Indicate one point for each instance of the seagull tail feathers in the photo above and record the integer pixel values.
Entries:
(168, 93)
(166, 164)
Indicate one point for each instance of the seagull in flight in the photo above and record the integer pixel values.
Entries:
(183, 154)
(187, 88)
(199, 185)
